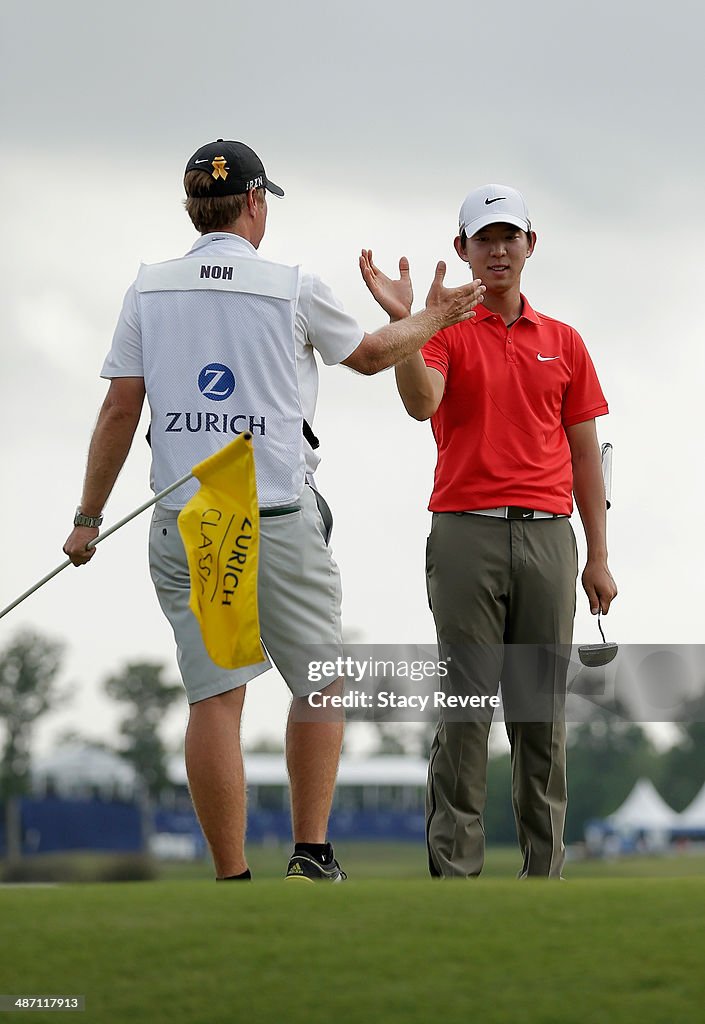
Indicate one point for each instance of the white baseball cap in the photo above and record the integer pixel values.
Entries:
(493, 204)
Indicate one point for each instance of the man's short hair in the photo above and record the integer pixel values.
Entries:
(208, 212)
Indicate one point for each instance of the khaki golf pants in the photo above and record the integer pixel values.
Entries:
(502, 593)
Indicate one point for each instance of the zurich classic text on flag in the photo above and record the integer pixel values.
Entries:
(220, 530)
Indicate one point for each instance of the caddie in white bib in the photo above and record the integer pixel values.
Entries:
(241, 374)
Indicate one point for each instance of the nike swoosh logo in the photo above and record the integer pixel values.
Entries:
(525, 515)
(205, 161)
(488, 201)
(545, 359)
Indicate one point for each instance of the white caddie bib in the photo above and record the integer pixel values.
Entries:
(220, 358)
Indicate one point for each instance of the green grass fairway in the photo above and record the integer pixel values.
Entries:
(395, 861)
(396, 952)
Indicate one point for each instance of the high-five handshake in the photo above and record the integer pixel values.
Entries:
(406, 334)
(451, 305)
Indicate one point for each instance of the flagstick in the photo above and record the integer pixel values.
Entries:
(94, 543)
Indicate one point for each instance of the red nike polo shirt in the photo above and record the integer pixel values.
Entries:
(509, 394)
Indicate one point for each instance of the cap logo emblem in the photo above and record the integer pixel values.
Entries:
(219, 170)
(257, 182)
(497, 200)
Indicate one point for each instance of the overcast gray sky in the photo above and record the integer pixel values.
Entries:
(376, 118)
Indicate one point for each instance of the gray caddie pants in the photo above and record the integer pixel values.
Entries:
(502, 593)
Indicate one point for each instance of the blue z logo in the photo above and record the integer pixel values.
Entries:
(216, 382)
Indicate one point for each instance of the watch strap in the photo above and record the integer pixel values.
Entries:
(93, 522)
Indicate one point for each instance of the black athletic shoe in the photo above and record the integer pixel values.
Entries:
(307, 868)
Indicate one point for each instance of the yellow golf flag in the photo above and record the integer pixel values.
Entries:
(220, 530)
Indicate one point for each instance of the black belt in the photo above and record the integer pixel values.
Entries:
(281, 510)
(517, 512)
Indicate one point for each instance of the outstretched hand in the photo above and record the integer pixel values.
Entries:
(452, 305)
(395, 297)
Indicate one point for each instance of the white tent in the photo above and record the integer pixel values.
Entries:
(693, 817)
(74, 768)
(644, 810)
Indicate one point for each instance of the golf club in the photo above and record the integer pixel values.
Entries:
(596, 655)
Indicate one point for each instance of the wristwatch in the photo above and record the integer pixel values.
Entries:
(80, 520)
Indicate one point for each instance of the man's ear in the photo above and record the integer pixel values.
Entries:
(460, 249)
(532, 243)
(253, 202)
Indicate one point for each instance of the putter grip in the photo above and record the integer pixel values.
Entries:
(606, 458)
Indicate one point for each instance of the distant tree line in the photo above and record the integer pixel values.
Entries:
(607, 754)
(30, 667)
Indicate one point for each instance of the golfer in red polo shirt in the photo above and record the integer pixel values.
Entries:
(512, 396)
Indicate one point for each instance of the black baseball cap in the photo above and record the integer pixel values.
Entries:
(234, 167)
